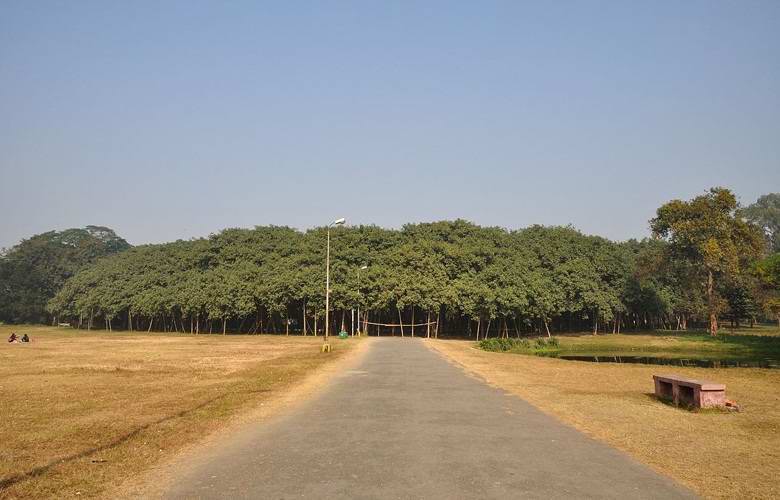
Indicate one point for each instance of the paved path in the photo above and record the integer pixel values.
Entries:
(405, 423)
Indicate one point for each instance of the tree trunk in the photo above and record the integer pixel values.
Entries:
(224, 326)
(479, 323)
(304, 318)
(401, 321)
(428, 326)
(711, 304)
(547, 328)
(412, 321)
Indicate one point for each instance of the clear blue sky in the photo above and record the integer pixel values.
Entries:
(169, 120)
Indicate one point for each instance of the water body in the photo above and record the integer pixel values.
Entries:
(689, 362)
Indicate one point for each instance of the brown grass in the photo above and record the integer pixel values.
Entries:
(715, 453)
(82, 411)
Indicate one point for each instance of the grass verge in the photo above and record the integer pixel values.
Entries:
(744, 343)
(84, 410)
(717, 454)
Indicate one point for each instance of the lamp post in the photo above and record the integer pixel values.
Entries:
(337, 222)
(363, 267)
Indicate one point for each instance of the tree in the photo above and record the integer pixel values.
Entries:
(707, 233)
(765, 213)
(768, 273)
(33, 271)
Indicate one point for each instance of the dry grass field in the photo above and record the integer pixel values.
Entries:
(84, 411)
(717, 454)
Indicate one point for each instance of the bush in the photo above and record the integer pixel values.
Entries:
(543, 344)
(504, 345)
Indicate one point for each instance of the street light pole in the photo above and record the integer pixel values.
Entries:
(336, 222)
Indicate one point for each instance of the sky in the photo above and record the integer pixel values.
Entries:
(172, 120)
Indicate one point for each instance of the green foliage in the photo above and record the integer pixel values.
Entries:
(519, 345)
(537, 279)
(767, 273)
(708, 239)
(33, 271)
(497, 345)
(765, 213)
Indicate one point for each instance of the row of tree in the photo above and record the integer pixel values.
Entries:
(454, 277)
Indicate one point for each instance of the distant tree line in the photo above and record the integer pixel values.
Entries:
(704, 262)
(33, 271)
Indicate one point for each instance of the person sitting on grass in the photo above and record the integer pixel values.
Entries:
(25, 338)
(13, 338)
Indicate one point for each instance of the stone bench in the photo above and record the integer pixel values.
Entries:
(690, 392)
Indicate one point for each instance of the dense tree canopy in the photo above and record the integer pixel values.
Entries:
(767, 273)
(765, 213)
(35, 269)
(449, 277)
(706, 234)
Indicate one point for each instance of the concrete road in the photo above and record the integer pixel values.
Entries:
(405, 423)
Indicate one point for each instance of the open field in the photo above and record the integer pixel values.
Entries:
(718, 454)
(83, 411)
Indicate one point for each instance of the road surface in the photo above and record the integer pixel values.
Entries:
(405, 423)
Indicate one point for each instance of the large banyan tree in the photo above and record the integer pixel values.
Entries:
(449, 277)
(454, 277)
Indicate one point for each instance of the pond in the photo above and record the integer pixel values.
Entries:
(689, 362)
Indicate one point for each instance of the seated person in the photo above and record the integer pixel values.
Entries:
(13, 338)
(25, 338)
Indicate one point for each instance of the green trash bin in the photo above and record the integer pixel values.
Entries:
(343, 334)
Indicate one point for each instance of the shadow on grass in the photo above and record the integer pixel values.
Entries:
(684, 407)
(39, 471)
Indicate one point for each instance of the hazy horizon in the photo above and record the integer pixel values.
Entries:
(178, 120)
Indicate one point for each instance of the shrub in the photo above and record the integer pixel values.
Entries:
(542, 344)
(504, 345)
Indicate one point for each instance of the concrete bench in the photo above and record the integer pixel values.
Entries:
(690, 392)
